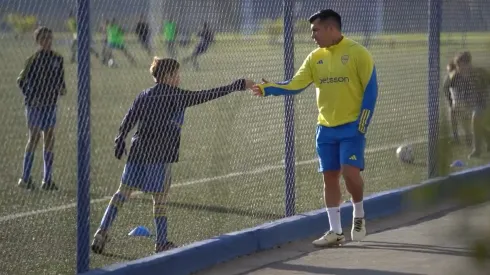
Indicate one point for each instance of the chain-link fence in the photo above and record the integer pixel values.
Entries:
(230, 174)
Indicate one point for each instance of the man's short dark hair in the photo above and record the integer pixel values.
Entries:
(324, 15)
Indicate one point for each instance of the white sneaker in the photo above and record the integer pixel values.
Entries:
(329, 239)
(358, 229)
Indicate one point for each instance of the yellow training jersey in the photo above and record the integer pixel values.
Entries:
(346, 84)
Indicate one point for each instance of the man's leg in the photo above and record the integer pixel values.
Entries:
(352, 161)
(328, 153)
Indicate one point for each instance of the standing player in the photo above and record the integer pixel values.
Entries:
(72, 27)
(472, 84)
(143, 33)
(42, 81)
(115, 40)
(159, 113)
(459, 107)
(169, 37)
(207, 38)
(344, 74)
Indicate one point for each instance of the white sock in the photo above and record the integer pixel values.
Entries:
(334, 219)
(359, 209)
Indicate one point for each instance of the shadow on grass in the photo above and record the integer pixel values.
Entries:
(219, 209)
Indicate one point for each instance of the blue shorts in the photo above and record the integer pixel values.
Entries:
(341, 145)
(149, 178)
(116, 46)
(41, 117)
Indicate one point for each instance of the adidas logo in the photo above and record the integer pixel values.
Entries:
(319, 62)
(353, 157)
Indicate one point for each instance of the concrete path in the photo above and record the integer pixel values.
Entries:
(418, 242)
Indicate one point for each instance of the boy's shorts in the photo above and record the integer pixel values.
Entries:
(149, 178)
(117, 46)
(340, 145)
(41, 117)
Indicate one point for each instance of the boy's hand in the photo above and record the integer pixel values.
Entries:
(249, 84)
(256, 90)
(119, 148)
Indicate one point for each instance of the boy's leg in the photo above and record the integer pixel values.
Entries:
(127, 54)
(454, 123)
(464, 118)
(33, 118)
(48, 124)
(328, 152)
(352, 160)
(478, 133)
(161, 178)
(48, 147)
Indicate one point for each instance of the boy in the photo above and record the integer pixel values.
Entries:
(472, 84)
(459, 109)
(159, 113)
(42, 81)
(207, 38)
(115, 40)
(72, 27)
(143, 32)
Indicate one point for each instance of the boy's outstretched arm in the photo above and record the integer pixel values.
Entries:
(189, 98)
(300, 81)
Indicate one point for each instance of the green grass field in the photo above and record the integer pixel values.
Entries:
(230, 176)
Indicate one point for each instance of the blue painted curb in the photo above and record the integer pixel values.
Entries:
(204, 254)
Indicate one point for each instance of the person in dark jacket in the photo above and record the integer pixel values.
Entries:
(468, 88)
(159, 113)
(41, 81)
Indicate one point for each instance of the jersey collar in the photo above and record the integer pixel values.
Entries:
(338, 45)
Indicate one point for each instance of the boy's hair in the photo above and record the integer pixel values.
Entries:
(463, 58)
(161, 67)
(41, 32)
(325, 15)
(451, 66)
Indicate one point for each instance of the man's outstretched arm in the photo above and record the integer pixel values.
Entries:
(300, 81)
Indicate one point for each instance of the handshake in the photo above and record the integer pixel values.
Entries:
(256, 90)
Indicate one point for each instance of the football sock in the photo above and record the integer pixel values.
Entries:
(27, 166)
(160, 222)
(359, 209)
(110, 214)
(334, 219)
(48, 165)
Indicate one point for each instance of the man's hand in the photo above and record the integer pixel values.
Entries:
(256, 90)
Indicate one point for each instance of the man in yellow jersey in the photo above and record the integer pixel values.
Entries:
(344, 74)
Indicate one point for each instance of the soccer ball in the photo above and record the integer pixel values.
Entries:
(405, 153)
(111, 63)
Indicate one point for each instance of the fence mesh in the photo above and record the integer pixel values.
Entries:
(231, 170)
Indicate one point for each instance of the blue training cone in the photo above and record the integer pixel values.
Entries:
(457, 163)
(140, 231)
